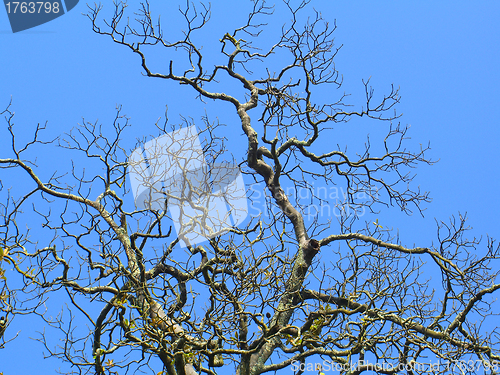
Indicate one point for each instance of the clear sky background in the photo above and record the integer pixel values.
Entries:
(444, 55)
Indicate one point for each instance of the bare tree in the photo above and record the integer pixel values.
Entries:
(255, 298)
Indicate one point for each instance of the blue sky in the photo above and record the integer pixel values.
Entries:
(443, 55)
